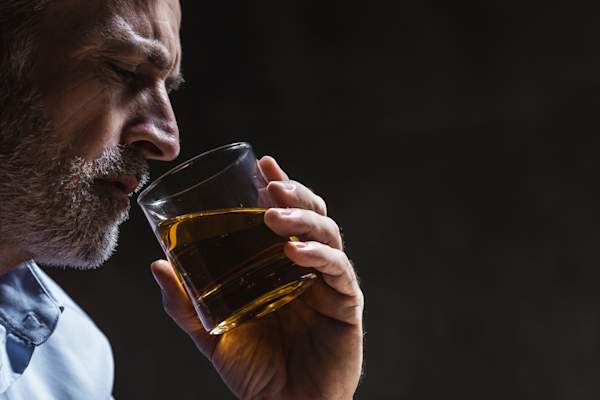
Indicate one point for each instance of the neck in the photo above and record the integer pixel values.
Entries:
(11, 257)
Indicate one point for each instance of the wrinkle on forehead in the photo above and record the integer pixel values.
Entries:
(150, 19)
(154, 34)
(120, 31)
(90, 11)
(74, 32)
(150, 16)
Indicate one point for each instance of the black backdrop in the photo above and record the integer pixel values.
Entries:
(456, 146)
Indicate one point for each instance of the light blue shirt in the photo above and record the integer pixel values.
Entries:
(49, 348)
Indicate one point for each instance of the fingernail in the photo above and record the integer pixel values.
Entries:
(300, 245)
(158, 281)
(285, 185)
(288, 185)
(286, 212)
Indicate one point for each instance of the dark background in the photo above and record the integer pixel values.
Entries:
(455, 145)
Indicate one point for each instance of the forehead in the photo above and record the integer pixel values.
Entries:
(153, 19)
(69, 25)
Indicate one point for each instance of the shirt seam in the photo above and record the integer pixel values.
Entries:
(32, 267)
(10, 323)
(14, 330)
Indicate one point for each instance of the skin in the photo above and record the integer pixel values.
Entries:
(312, 347)
(309, 349)
(92, 100)
(88, 91)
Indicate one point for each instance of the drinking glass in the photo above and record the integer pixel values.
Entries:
(208, 215)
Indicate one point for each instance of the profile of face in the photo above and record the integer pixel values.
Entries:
(87, 109)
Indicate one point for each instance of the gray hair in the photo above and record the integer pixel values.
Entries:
(18, 22)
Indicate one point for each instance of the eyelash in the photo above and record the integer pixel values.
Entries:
(125, 75)
(131, 77)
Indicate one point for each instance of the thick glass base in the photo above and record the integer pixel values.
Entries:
(265, 304)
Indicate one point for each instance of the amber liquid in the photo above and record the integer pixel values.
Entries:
(231, 265)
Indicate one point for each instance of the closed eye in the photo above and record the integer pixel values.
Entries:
(126, 72)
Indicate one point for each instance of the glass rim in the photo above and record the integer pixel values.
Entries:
(144, 193)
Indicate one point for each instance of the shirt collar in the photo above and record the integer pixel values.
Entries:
(27, 307)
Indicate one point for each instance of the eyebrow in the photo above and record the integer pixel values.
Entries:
(118, 40)
(174, 82)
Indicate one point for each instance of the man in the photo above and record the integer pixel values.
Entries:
(83, 104)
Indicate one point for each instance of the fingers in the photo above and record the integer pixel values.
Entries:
(288, 193)
(294, 194)
(305, 224)
(333, 264)
(304, 214)
(336, 294)
(330, 303)
(175, 298)
(271, 170)
(179, 307)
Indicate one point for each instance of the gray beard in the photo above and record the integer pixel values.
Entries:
(51, 206)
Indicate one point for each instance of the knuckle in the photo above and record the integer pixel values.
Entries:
(316, 246)
(356, 291)
(304, 221)
(311, 200)
(352, 278)
(323, 229)
(360, 300)
(334, 226)
(320, 205)
(348, 281)
(343, 260)
(291, 187)
(354, 312)
(337, 260)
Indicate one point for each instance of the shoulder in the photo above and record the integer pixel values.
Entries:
(72, 314)
(76, 361)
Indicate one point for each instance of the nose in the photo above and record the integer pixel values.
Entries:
(153, 128)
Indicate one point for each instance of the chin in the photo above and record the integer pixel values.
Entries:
(88, 255)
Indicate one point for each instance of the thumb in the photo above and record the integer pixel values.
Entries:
(175, 298)
(179, 307)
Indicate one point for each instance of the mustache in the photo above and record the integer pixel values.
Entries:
(113, 162)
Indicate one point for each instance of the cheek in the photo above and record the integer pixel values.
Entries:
(85, 114)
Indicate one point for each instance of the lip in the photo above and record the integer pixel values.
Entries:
(122, 186)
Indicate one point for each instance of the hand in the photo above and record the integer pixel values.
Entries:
(308, 349)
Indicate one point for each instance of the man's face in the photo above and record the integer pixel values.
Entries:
(96, 107)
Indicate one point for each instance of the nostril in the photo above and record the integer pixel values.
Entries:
(149, 150)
